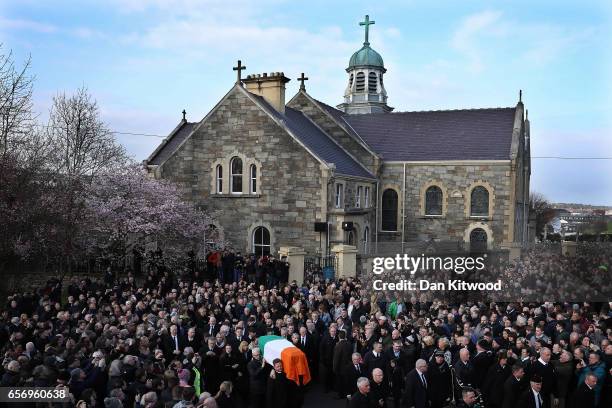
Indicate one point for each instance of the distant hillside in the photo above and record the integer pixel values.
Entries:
(576, 206)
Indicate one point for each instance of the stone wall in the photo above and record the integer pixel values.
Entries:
(455, 180)
(288, 200)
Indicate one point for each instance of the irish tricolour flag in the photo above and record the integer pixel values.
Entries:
(294, 360)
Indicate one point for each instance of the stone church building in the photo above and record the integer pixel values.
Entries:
(269, 167)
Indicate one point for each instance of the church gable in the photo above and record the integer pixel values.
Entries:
(316, 112)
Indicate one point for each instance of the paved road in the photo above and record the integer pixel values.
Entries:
(316, 398)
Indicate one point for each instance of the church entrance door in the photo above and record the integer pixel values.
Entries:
(478, 240)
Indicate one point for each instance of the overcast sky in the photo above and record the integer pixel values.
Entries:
(146, 60)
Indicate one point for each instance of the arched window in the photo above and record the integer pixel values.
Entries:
(372, 85)
(236, 175)
(261, 241)
(351, 80)
(358, 197)
(389, 210)
(219, 175)
(350, 239)
(478, 240)
(433, 201)
(366, 240)
(253, 178)
(479, 201)
(360, 82)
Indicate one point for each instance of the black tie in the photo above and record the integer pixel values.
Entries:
(358, 369)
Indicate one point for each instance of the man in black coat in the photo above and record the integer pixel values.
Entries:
(584, 396)
(258, 374)
(375, 359)
(277, 386)
(342, 357)
(543, 369)
(172, 344)
(482, 360)
(415, 391)
(326, 357)
(351, 373)
(495, 379)
(379, 388)
(439, 378)
(514, 386)
(532, 397)
(464, 370)
(361, 398)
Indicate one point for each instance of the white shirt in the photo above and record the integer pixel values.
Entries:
(542, 361)
(538, 399)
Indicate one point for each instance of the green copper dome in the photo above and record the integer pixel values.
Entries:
(366, 56)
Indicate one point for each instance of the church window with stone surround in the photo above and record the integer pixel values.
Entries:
(219, 179)
(360, 85)
(433, 201)
(261, 241)
(372, 82)
(358, 197)
(366, 198)
(389, 210)
(479, 201)
(366, 239)
(339, 194)
(236, 175)
(253, 178)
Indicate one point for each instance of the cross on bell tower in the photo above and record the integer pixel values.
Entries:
(367, 23)
(302, 78)
(238, 70)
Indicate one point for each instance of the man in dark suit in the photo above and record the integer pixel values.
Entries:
(257, 379)
(482, 360)
(351, 373)
(277, 386)
(399, 355)
(342, 357)
(326, 357)
(494, 381)
(415, 391)
(212, 328)
(514, 386)
(361, 399)
(173, 344)
(379, 389)
(375, 359)
(584, 396)
(532, 397)
(546, 372)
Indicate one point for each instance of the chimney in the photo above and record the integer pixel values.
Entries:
(270, 86)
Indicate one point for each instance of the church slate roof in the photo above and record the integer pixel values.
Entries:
(316, 140)
(322, 145)
(468, 134)
(173, 141)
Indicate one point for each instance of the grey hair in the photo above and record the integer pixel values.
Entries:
(361, 381)
(356, 355)
(420, 362)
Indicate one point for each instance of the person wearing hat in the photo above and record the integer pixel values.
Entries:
(532, 397)
(543, 368)
(439, 376)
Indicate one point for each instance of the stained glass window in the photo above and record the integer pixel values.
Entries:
(433, 201)
(389, 210)
(479, 201)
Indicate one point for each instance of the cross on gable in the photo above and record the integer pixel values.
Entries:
(302, 78)
(239, 69)
(184, 114)
(367, 23)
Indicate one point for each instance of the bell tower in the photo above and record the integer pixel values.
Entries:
(365, 92)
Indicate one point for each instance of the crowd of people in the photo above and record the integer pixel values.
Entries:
(190, 339)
